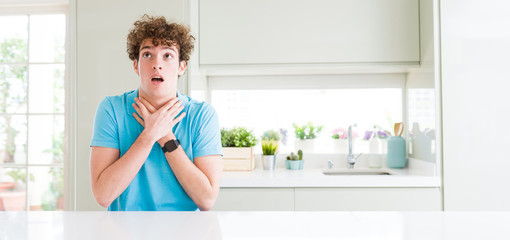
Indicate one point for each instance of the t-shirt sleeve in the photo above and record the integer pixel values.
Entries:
(105, 132)
(208, 135)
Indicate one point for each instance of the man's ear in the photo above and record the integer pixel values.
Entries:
(182, 68)
(135, 66)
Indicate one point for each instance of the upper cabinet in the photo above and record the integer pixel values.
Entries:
(304, 31)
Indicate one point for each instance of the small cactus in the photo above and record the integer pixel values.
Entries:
(293, 156)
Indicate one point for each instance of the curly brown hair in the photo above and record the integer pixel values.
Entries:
(161, 32)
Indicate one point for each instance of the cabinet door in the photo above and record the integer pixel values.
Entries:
(305, 31)
(255, 199)
(367, 199)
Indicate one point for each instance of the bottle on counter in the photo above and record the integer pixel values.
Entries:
(375, 150)
(396, 156)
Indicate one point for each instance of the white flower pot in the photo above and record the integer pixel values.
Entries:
(340, 145)
(306, 145)
(268, 161)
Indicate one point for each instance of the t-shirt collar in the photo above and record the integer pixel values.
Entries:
(131, 100)
(183, 98)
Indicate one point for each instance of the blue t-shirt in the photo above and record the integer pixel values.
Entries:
(155, 187)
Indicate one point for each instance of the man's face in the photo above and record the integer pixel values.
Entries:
(158, 68)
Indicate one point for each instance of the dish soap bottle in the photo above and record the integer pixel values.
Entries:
(374, 160)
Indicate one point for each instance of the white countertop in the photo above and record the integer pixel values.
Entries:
(254, 225)
(313, 177)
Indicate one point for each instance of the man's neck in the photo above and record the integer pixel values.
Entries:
(156, 101)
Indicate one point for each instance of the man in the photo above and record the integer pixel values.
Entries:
(144, 154)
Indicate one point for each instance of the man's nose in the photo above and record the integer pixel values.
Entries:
(157, 65)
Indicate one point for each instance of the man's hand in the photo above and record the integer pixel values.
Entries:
(158, 123)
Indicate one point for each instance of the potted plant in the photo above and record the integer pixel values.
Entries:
(271, 135)
(339, 137)
(383, 135)
(238, 148)
(295, 162)
(269, 150)
(377, 145)
(53, 197)
(13, 198)
(379, 135)
(305, 136)
(4, 186)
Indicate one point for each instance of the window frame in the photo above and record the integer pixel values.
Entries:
(28, 9)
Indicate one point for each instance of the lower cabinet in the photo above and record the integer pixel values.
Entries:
(255, 199)
(329, 199)
(367, 199)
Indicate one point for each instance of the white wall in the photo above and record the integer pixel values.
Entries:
(103, 67)
(475, 43)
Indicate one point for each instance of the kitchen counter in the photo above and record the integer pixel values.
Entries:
(254, 225)
(313, 177)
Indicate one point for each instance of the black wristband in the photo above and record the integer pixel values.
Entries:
(171, 145)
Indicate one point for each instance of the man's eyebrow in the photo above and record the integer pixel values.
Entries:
(150, 47)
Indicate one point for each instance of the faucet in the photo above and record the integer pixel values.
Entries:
(350, 157)
(330, 164)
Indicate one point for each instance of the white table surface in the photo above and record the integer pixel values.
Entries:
(254, 225)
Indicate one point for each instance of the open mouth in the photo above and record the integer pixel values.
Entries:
(159, 79)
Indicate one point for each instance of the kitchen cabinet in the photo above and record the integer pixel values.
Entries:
(329, 199)
(367, 199)
(308, 32)
(255, 199)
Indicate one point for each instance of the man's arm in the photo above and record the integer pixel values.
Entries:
(111, 175)
(200, 179)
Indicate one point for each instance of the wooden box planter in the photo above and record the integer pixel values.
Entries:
(238, 159)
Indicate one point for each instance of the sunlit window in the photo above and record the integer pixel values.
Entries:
(32, 111)
(261, 110)
(421, 112)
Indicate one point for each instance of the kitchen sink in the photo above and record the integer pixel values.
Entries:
(344, 172)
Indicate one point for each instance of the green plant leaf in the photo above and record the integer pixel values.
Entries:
(307, 131)
(238, 137)
(270, 135)
(269, 147)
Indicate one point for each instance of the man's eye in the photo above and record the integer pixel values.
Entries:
(168, 55)
(146, 55)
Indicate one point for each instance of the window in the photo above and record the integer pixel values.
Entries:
(421, 112)
(277, 109)
(32, 111)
